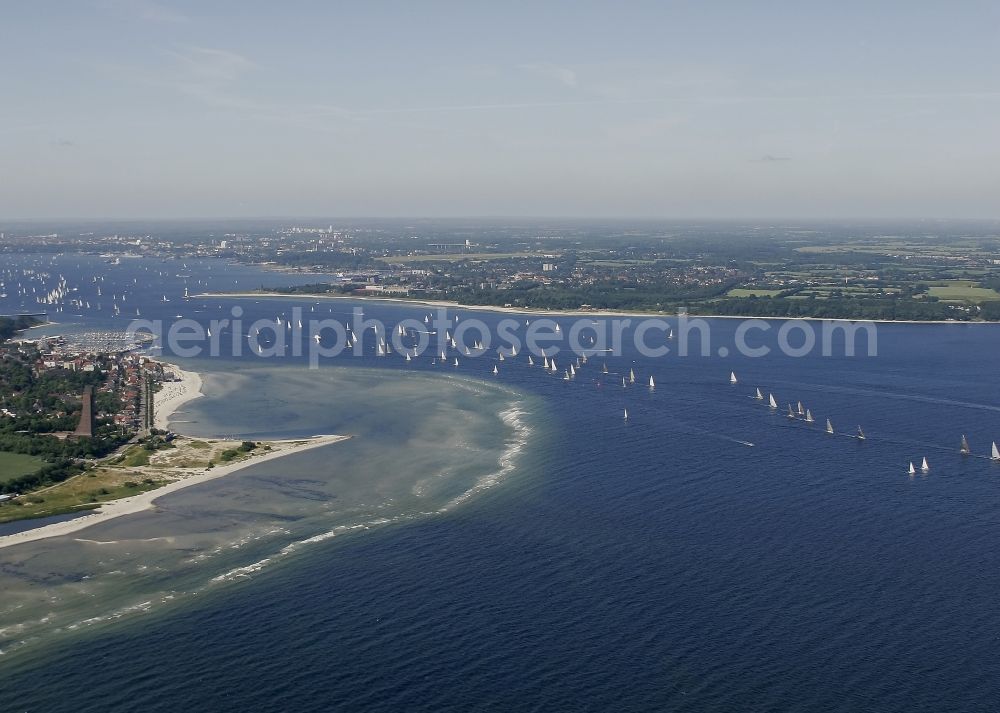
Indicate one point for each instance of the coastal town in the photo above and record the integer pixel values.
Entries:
(855, 271)
(84, 428)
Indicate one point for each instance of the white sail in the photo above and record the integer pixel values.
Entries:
(545, 363)
(732, 378)
(791, 413)
(652, 384)
(501, 356)
(531, 362)
(631, 376)
(964, 449)
(829, 426)
(626, 414)
(861, 434)
(773, 403)
(759, 396)
(552, 365)
(456, 361)
(912, 471)
(924, 467)
(605, 369)
(408, 357)
(495, 370)
(801, 411)
(996, 452)
(809, 416)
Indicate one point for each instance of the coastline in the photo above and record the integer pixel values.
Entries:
(174, 394)
(450, 304)
(144, 501)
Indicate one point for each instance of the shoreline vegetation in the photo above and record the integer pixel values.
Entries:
(141, 477)
(540, 312)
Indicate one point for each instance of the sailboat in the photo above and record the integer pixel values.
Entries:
(809, 417)
(624, 385)
(732, 378)
(964, 449)
(759, 396)
(545, 363)
(408, 356)
(801, 411)
(652, 385)
(861, 434)
(531, 362)
(605, 369)
(912, 471)
(566, 376)
(996, 452)
(552, 365)
(829, 427)
(456, 361)
(626, 414)
(495, 370)
(773, 403)
(501, 356)
(791, 413)
(924, 468)
(631, 376)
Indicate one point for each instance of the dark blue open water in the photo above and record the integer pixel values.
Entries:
(648, 565)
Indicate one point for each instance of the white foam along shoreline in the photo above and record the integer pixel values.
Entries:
(144, 501)
(174, 394)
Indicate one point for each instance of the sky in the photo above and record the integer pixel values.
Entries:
(711, 109)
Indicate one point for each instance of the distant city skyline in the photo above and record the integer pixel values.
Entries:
(137, 109)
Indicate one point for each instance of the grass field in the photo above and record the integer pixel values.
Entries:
(962, 290)
(14, 465)
(751, 292)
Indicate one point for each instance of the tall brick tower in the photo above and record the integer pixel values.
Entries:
(88, 420)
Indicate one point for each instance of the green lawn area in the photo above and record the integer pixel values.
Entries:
(962, 290)
(14, 465)
(751, 292)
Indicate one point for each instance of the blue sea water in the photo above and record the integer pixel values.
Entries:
(651, 564)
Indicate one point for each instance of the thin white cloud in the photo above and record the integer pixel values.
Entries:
(212, 64)
(555, 72)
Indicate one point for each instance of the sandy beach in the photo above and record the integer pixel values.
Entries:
(448, 304)
(174, 394)
(145, 501)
